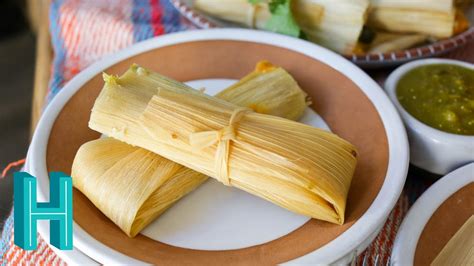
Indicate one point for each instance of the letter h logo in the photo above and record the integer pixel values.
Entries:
(28, 211)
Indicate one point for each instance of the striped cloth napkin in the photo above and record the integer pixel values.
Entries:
(83, 32)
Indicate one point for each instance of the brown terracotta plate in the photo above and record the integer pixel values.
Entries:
(435, 217)
(445, 222)
(371, 60)
(350, 102)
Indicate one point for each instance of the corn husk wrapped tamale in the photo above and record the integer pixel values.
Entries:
(430, 17)
(141, 184)
(460, 248)
(268, 90)
(335, 24)
(299, 167)
(432, 5)
(130, 185)
(238, 11)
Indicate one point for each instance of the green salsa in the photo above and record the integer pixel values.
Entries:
(441, 96)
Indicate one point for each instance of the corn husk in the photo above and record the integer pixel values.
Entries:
(141, 184)
(460, 248)
(431, 17)
(299, 167)
(335, 24)
(428, 5)
(268, 90)
(129, 185)
(395, 42)
(238, 11)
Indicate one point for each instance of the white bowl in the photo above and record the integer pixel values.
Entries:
(431, 149)
(341, 250)
(405, 244)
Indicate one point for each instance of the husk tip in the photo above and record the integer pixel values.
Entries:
(137, 69)
(264, 66)
(110, 79)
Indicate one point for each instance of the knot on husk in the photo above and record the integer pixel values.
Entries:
(222, 137)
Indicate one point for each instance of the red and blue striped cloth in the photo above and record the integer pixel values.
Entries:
(82, 32)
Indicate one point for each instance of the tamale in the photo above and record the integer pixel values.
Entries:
(299, 167)
(141, 184)
(238, 11)
(432, 5)
(268, 90)
(460, 248)
(335, 24)
(120, 180)
(433, 17)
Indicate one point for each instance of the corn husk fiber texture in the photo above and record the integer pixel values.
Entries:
(299, 167)
(133, 186)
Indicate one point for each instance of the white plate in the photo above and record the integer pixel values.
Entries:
(343, 248)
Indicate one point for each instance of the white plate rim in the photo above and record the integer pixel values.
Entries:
(405, 243)
(335, 250)
(74, 256)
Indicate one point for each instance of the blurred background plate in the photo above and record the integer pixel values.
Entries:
(372, 60)
(434, 218)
